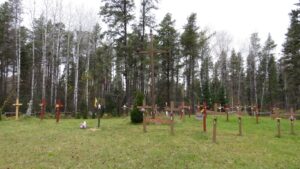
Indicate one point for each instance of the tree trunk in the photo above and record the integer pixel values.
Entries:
(87, 75)
(76, 73)
(67, 74)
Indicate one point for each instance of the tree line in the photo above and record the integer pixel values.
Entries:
(78, 61)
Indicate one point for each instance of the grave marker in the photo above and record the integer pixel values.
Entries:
(292, 119)
(17, 104)
(256, 114)
(278, 128)
(214, 139)
(143, 109)
(172, 118)
(58, 106)
(152, 51)
(43, 109)
(183, 107)
(227, 113)
(240, 125)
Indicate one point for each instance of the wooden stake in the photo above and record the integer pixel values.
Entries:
(58, 105)
(172, 118)
(43, 109)
(227, 113)
(278, 128)
(256, 114)
(292, 126)
(240, 125)
(204, 117)
(144, 123)
(214, 139)
(17, 104)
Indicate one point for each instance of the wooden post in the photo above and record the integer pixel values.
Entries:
(17, 104)
(278, 128)
(292, 119)
(182, 115)
(143, 109)
(172, 118)
(144, 117)
(292, 125)
(99, 107)
(204, 117)
(43, 109)
(256, 114)
(58, 105)
(227, 113)
(240, 125)
(214, 139)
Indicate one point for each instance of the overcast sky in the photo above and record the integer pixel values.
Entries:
(239, 18)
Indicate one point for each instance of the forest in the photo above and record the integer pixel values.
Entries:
(77, 62)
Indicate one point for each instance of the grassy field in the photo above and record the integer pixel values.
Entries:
(31, 143)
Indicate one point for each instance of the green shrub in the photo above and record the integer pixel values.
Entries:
(136, 115)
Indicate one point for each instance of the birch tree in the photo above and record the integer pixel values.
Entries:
(32, 14)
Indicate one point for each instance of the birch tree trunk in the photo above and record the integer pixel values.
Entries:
(67, 74)
(44, 61)
(29, 110)
(87, 74)
(76, 59)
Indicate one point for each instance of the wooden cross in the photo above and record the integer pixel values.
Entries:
(238, 109)
(220, 108)
(43, 109)
(275, 113)
(143, 109)
(17, 104)
(172, 109)
(152, 52)
(58, 106)
(183, 107)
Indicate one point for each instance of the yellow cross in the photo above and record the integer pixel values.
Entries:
(17, 104)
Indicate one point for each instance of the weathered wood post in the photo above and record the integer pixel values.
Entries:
(144, 117)
(240, 125)
(292, 119)
(172, 118)
(204, 117)
(17, 104)
(227, 113)
(99, 107)
(43, 109)
(58, 105)
(292, 125)
(278, 127)
(256, 114)
(214, 139)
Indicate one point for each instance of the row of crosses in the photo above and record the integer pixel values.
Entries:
(58, 107)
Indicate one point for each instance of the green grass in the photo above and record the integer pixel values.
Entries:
(31, 143)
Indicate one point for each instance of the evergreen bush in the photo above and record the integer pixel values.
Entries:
(136, 115)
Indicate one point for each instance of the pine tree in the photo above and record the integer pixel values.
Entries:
(167, 39)
(190, 50)
(254, 52)
(291, 59)
(117, 14)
